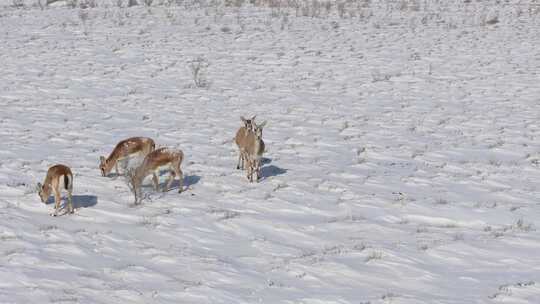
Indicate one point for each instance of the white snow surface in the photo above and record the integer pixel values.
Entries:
(402, 161)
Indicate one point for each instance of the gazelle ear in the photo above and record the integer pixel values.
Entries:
(243, 119)
(253, 118)
(262, 125)
(38, 187)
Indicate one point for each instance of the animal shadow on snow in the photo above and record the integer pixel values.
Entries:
(189, 180)
(114, 175)
(271, 170)
(84, 201)
(79, 201)
(265, 160)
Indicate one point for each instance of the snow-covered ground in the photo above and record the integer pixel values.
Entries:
(402, 162)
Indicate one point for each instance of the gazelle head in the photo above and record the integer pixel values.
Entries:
(105, 166)
(249, 123)
(257, 129)
(44, 191)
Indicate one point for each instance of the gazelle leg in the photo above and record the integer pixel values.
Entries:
(181, 177)
(243, 160)
(136, 192)
(257, 169)
(239, 160)
(169, 181)
(156, 180)
(70, 201)
(249, 170)
(57, 200)
(253, 169)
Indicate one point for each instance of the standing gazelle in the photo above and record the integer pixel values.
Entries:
(240, 137)
(58, 177)
(125, 149)
(252, 147)
(162, 158)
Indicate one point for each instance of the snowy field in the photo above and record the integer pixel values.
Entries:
(402, 162)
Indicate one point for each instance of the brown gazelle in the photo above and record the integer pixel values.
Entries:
(162, 158)
(125, 149)
(241, 134)
(58, 177)
(252, 146)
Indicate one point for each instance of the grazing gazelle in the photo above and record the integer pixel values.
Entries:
(252, 146)
(58, 177)
(126, 149)
(162, 158)
(240, 136)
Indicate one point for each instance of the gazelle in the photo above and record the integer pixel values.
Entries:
(240, 136)
(252, 146)
(152, 164)
(58, 177)
(125, 149)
